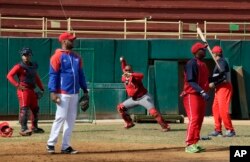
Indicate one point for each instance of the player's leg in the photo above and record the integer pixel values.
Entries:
(34, 113)
(148, 102)
(122, 109)
(191, 106)
(217, 118)
(69, 125)
(60, 117)
(225, 94)
(24, 112)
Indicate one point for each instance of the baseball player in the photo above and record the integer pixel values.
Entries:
(138, 96)
(223, 94)
(26, 71)
(194, 96)
(66, 77)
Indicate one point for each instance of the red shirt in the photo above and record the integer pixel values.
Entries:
(22, 74)
(133, 84)
(195, 76)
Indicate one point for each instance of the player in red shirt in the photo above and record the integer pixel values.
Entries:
(26, 72)
(223, 94)
(138, 95)
(195, 96)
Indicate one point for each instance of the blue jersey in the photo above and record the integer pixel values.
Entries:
(66, 74)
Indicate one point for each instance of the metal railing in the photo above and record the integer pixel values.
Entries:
(143, 28)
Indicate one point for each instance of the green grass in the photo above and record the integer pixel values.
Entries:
(141, 134)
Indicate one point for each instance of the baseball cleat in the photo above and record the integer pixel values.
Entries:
(130, 125)
(26, 133)
(200, 148)
(215, 134)
(50, 149)
(69, 150)
(192, 149)
(166, 129)
(37, 130)
(230, 133)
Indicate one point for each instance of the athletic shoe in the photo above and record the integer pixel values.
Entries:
(37, 130)
(166, 129)
(215, 134)
(230, 133)
(25, 133)
(50, 149)
(130, 125)
(200, 148)
(192, 149)
(69, 150)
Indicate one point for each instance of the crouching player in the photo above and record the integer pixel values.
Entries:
(138, 95)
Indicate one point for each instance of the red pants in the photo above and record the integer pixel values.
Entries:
(28, 100)
(221, 104)
(195, 108)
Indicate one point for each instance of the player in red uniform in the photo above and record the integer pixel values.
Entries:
(223, 93)
(26, 71)
(195, 96)
(138, 96)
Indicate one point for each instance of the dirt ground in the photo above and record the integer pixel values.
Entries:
(94, 152)
(109, 142)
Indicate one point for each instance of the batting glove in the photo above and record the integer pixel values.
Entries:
(204, 95)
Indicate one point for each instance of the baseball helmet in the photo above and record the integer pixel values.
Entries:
(26, 51)
(217, 49)
(197, 46)
(5, 130)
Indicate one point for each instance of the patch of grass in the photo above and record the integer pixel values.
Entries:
(149, 134)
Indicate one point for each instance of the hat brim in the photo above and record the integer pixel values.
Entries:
(72, 38)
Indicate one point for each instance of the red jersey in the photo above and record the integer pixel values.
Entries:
(27, 77)
(133, 84)
(195, 76)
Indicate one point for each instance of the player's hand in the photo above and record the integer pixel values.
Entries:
(204, 95)
(121, 58)
(211, 85)
(55, 98)
(20, 87)
(127, 75)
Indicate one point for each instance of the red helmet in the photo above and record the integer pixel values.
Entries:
(217, 49)
(5, 130)
(197, 46)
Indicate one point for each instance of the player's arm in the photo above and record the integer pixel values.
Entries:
(137, 76)
(54, 72)
(39, 83)
(54, 76)
(82, 78)
(220, 75)
(123, 63)
(11, 75)
(192, 74)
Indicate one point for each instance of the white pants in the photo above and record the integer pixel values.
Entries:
(65, 115)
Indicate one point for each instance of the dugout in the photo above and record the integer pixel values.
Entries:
(161, 61)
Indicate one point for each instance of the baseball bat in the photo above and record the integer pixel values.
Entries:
(208, 47)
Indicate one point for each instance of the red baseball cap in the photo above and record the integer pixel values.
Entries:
(197, 46)
(217, 49)
(66, 36)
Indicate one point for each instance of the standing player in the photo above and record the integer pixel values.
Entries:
(194, 96)
(223, 93)
(26, 71)
(66, 77)
(138, 96)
